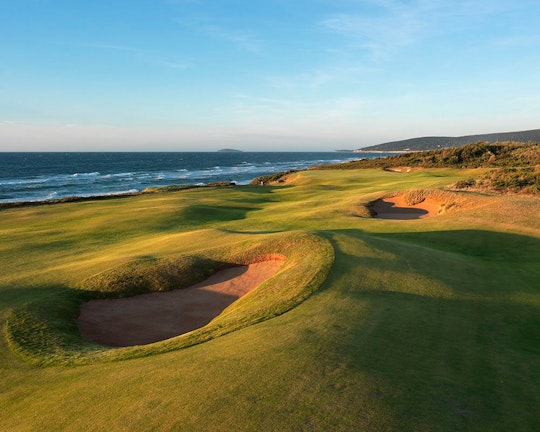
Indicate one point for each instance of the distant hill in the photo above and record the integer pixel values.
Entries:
(437, 142)
(228, 150)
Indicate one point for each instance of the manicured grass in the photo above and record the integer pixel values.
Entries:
(422, 325)
(45, 332)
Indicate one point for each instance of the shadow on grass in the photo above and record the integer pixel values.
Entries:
(389, 210)
(260, 194)
(468, 360)
(202, 215)
(467, 365)
(483, 244)
(471, 262)
(11, 297)
(230, 231)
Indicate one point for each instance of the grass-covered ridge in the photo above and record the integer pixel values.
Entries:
(420, 325)
(44, 332)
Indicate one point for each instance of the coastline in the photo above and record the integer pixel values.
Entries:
(384, 151)
(50, 177)
(103, 197)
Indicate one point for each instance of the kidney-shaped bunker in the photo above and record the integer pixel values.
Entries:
(152, 317)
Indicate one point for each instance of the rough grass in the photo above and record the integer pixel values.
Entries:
(474, 155)
(521, 179)
(421, 325)
(514, 166)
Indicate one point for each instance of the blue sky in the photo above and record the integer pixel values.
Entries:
(270, 75)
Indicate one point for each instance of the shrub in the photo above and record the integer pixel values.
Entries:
(462, 184)
(264, 180)
(474, 155)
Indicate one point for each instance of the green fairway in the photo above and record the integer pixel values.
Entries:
(370, 325)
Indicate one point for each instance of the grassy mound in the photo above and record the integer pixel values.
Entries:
(151, 274)
(45, 332)
(448, 201)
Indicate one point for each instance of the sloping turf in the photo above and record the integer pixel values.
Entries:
(422, 325)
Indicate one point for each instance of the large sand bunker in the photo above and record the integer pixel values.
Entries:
(396, 208)
(152, 317)
(418, 204)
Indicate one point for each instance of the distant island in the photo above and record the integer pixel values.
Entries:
(226, 150)
(438, 142)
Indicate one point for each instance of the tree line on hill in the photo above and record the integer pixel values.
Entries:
(439, 142)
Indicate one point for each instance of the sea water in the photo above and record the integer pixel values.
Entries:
(47, 176)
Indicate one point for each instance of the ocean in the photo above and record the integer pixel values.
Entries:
(48, 176)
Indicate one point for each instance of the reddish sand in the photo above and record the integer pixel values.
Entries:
(396, 208)
(152, 317)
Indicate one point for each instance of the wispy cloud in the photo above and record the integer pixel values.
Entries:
(318, 77)
(173, 65)
(162, 61)
(313, 79)
(112, 47)
(518, 41)
(142, 55)
(392, 25)
(282, 112)
(383, 33)
(208, 27)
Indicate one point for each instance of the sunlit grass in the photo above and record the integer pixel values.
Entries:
(421, 325)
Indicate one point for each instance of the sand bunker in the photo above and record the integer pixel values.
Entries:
(401, 169)
(420, 203)
(152, 317)
(397, 208)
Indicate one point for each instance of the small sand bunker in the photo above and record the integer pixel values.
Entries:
(401, 169)
(418, 204)
(152, 317)
(396, 208)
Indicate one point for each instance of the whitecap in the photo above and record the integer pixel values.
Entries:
(91, 174)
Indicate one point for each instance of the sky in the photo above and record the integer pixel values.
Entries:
(273, 75)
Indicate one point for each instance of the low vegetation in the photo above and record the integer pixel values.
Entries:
(475, 155)
(448, 200)
(270, 179)
(517, 165)
(517, 180)
(176, 188)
